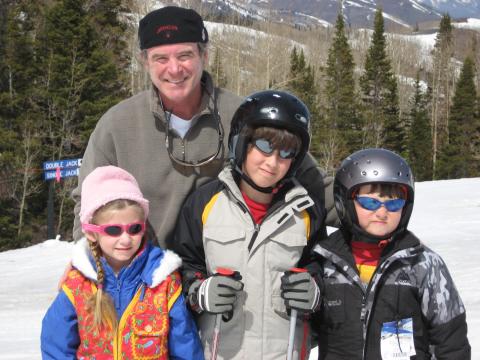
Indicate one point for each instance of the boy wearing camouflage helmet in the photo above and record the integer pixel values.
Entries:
(385, 295)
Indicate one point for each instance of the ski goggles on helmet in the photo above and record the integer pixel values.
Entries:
(267, 148)
(369, 203)
(115, 230)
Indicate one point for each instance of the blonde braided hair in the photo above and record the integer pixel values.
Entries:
(100, 303)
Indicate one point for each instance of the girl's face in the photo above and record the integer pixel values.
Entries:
(118, 251)
(378, 222)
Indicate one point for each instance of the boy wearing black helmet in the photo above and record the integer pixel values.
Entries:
(385, 295)
(255, 220)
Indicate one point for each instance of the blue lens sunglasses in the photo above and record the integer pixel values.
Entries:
(267, 148)
(372, 204)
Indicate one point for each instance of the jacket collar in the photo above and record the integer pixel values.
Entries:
(226, 176)
(338, 244)
(155, 264)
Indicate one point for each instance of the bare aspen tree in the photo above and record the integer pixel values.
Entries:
(27, 163)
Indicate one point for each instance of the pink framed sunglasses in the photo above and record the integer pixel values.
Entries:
(115, 230)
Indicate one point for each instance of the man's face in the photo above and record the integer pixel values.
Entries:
(176, 71)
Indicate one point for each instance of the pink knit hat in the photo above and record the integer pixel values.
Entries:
(105, 184)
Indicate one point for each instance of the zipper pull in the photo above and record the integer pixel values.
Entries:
(363, 313)
(254, 236)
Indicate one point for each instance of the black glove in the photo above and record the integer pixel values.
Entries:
(300, 291)
(216, 294)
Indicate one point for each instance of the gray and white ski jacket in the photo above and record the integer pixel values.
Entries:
(216, 229)
(411, 284)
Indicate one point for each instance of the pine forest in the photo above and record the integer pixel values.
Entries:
(63, 63)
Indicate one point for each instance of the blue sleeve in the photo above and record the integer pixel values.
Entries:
(59, 338)
(183, 340)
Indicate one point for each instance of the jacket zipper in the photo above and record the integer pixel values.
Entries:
(365, 306)
(117, 352)
(269, 212)
(365, 314)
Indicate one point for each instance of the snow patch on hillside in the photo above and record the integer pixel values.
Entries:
(321, 22)
(219, 29)
(395, 19)
(471, 23)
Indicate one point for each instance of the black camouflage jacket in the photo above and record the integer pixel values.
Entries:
(410, 282)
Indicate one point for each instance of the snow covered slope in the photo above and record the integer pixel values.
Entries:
(446, 217)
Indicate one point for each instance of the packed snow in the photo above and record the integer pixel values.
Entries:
(446, 217)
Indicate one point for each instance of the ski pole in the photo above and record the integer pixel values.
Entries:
(293, 322)
(218, 317)
(216, 336)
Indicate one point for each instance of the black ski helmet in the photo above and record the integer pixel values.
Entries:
(271, 108)
(366, 167)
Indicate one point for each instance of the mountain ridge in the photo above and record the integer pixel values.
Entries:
(357, 13)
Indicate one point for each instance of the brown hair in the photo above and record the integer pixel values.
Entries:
(101, 304)
(394, 191)
(279, 138)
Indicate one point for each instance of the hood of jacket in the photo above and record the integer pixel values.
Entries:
(339, 243)
(151, 264)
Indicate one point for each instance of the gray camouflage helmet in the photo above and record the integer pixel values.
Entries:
(366, 167)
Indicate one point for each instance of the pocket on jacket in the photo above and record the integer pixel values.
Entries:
(224, 247)
(149, 332)
(278, 304)
(399, 302)
(284, 250)
(334, 305)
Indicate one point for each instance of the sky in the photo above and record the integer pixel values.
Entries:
(446, 217)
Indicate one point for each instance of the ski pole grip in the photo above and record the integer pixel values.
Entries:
(223, 271)
(228, 272)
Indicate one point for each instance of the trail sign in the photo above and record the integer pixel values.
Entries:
(62, 164)
(60, 174)
(56, 170)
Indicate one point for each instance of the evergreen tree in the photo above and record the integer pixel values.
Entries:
(19, 156)
(380, 98)
(296, 76)
(62, 65)
(343, 120)
(78, 81)
(17, 55)
(302, 84)
(442, 80)
(420, 136)
(456, 160)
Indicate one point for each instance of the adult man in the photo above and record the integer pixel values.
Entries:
(171, 137)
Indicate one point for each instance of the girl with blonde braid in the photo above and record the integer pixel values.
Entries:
(123, 297)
